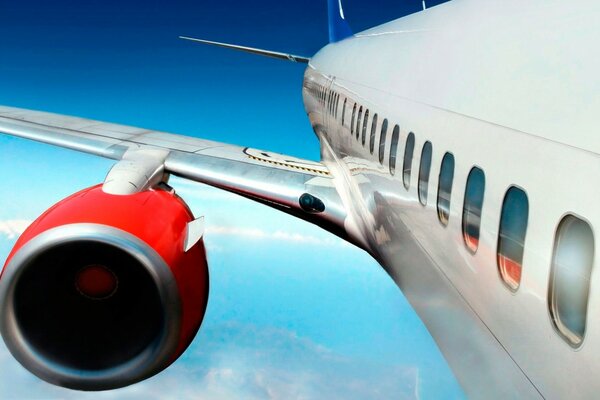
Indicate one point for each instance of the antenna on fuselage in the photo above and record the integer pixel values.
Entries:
(424, 5)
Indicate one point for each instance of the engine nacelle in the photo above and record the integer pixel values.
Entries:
(99, 292)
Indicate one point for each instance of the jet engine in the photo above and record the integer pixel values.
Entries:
(105, 290)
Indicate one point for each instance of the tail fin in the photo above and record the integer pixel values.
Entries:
(338, 27)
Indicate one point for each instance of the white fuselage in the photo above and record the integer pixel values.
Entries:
(507, 87)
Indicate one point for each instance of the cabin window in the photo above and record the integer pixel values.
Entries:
(358, 120)
(337, 104)
(372, 137)
(445, 188)
(382, 136)
(332, 107)
(570, 278)
(394, 149)
(472, 208)
(511, 236)
(344, 110)
(333, 102)
(352, 119)
(364, 127)
(424, 170)
(408, 156)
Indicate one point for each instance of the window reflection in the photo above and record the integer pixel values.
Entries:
(424, 170)
(372, 137)
(394, 149)
(364, 127)
(445, 188)
(511, 236)
(358, 120)
(408, 156)
(472, 208)
(382, 138)
(352, 119)
(570, 278)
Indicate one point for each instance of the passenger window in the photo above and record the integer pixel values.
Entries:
(352, 120)
(424, 170)
(472, 208)
(394, 149)
(511, 236)
(358, 120)
(364, 127)
(344, 110)
(372, 137)
(333, 101)
(382, 136)
(408, 156)
(569, 289)
(445, 188)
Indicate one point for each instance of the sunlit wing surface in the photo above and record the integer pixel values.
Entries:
(274, 179)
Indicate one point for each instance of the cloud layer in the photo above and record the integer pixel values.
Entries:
(278, 235)
(232, 361)
(12, 228)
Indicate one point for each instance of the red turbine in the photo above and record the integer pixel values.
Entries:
(99, 292)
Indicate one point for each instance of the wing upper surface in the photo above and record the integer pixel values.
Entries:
(273, 179)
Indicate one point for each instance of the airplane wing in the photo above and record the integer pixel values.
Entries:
(302, 188)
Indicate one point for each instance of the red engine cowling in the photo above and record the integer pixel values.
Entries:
(98, 293)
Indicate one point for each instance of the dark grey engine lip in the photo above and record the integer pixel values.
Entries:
(149, 362)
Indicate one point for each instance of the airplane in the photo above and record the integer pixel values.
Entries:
(471, 184)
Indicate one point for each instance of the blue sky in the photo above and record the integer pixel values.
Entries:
(293, 311)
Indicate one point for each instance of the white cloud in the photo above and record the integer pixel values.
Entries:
(232, 360)
(13, 227)
(290, 237)
(197, 191)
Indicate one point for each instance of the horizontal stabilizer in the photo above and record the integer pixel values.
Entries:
(267, 53)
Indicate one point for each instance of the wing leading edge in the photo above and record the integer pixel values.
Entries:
(302, 188)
